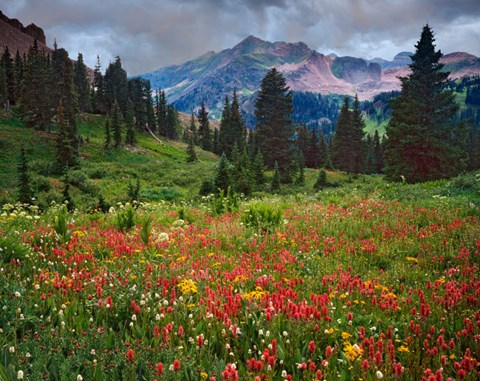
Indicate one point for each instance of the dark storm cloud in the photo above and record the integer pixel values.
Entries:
(148, 34)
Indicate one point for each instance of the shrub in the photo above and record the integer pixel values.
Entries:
(263, 217)
(60, 225)
(125, 218)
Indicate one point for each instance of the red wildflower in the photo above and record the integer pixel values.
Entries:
(176, 365)
(130, 355)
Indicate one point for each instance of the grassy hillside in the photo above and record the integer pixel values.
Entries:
(161, 167)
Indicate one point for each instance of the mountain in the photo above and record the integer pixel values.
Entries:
(17, 37)
(214, 75)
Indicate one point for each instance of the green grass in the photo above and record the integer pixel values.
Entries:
(162, 167)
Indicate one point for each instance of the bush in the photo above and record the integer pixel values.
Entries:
(97, 173)
(125, 218)
(222, 203)
(206, 188)
(263, 217)
(40, 184)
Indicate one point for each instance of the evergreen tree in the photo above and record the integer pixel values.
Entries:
(191, 153)
(313, 151)
(321, 181)
(369, 159)
(378, 153)
(25, 193)
(129, 127)
(275, 185)
(216, 142)
(116, 86)
(116, 126)
(237, 124)
(81, 85)
(172, 123)
(274, 128)
(225, 136)
(108, 135)
(161, 109)
(357, 134)
(422, 142)
(258, 168)
(35, 100)
(241, 173)
(341, 148)
(19, 71)
(204, 133)
(3, 86)
(300, 180)
(302, 139)
(221, 181)
(192, 130)
(7, 62)
(98, 90)
(322, 150)
(65, 146)
(348, 146)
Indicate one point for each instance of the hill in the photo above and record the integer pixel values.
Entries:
(161, 166)
(212, 76)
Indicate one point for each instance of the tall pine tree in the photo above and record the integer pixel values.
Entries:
(274, 128)
(204, 133)
(82, 85)
(25, 193)
(422, 142)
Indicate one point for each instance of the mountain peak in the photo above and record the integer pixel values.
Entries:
(250, 44)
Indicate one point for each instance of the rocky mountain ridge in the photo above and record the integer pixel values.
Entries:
(214, 75)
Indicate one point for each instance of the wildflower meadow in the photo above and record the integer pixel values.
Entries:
(292, 288)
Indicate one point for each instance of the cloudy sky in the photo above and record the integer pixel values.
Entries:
(148, 34)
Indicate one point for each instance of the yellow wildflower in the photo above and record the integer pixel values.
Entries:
(187, 286)
(403, 349)
(346, 335)
(352, 352)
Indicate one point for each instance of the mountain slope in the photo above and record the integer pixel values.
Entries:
(212, 76)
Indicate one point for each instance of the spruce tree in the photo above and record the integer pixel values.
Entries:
(161, 110)
(274, 127)
(108, 134)
(98, 90)
(25, 193)
(422, 142)
(302, 139)
(116, 86)
(275, 185)
(322, 150)
(300, 180)
(19, 71)
(321, 181)
(172, 123)
(129, 127)
(313, 151)
(7, 62)
(191, 153)
(216, 142)
(65, 146)
(348, 145)
(378, 153)
(341, 149)
(35, 102)
(221, 181)
(357, 134)
(237, 124)
(204, 133)
(225, 136)
(82, 85)
(116, 125)
(3, 87)
(258, 168)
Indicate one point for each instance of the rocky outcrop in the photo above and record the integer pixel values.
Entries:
(32, 30)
